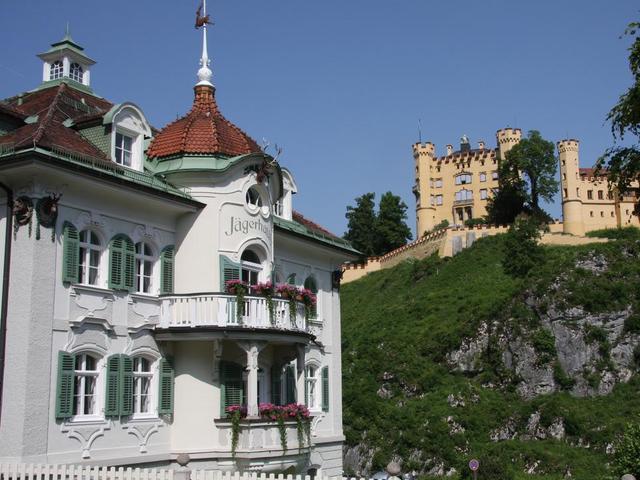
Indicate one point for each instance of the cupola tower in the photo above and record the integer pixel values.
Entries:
(66, 60)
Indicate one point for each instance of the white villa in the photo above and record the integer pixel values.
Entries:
(120, 344)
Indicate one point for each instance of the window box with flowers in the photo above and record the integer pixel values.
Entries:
(279, 414)
(289, 292)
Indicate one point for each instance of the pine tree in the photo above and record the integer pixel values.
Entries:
(392, 230)
(361, 226)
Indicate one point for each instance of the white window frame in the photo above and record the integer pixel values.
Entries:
(76, 72)
(250, 268)
(313, 384)
(438, 199)
(483, 194)
(80, 377)
(464, 179)
(124, 135)
(139, 376)
(56, 70)
(84, 258)
(483, 177)
(141, 273)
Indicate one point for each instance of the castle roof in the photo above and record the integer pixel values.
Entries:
(202, 131)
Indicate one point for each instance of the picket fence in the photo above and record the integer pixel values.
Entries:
(30, 471)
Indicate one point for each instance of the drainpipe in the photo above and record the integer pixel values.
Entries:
(5, 287)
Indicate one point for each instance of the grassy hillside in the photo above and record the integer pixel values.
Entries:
(402, 398)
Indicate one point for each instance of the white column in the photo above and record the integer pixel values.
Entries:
(252, 350)
(300, 360)
(66, 66)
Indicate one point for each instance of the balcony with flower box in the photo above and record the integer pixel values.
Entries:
(284, 311)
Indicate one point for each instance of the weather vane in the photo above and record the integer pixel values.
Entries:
(202, 18)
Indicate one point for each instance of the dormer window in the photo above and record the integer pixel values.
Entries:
(128, 131)
(76, 72)
(56, 70)
(124, 149)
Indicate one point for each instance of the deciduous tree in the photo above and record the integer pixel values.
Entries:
(623, 162)
(361, 226)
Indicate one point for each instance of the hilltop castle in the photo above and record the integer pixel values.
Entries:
(456, 186)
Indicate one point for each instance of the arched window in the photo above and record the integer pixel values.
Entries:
(76, 72)
(144, 267)
(56, 70)
(464, 194)
(89, 258)
(250, 267)
(85, 391)
(142, 391)
(463, 179)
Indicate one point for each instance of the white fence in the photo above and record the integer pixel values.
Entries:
(30, 471)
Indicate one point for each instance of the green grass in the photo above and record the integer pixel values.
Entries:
(625, 233)
(399, 324)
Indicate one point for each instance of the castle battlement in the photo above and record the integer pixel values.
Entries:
(568, 145)
(508, 135)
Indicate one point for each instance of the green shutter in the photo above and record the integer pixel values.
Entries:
(70, 253)
(129, 265)
(290, 385)
(116, 256)
(126, 385)
(64, 393)
(122, 264)
(276, 385)
(111, 407)
(165, 395)
(166, 270)
(325, 389)
(228, 271)
(231, 386)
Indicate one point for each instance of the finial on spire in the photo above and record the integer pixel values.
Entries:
(202, 20)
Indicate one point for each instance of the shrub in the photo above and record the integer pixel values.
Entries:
(561, 378)
(522, 251)
(627, 452)
(632, 323)
(472, 222)
(545, 345)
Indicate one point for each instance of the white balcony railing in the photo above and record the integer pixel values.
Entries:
(220, 310)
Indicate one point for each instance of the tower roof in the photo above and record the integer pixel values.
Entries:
(69, 46)
(202, 131)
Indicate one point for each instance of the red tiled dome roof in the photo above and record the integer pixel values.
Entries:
(202, 131)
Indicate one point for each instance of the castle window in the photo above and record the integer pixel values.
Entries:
(609, 195)
(438, 199)
(144, 267)
(564, 176)
(438, 183)
(612, 214)
(89, 258)
(124, 148)
(433, 200)
(590, 194)
(463, 179)
(565, 193)
(602, 214)
(600, 195)
(577, 192)
(483, 194)
(76, 72)
(464, 194)
(56, 70)
(564, 163)
(483, 177)
(494, 175)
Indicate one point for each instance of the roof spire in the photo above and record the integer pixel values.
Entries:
(202, 20)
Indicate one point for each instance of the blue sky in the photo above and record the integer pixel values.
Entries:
(340, 85)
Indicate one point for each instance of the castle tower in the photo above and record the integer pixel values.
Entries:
(506, 139)
(569, 180)
(423, 153)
